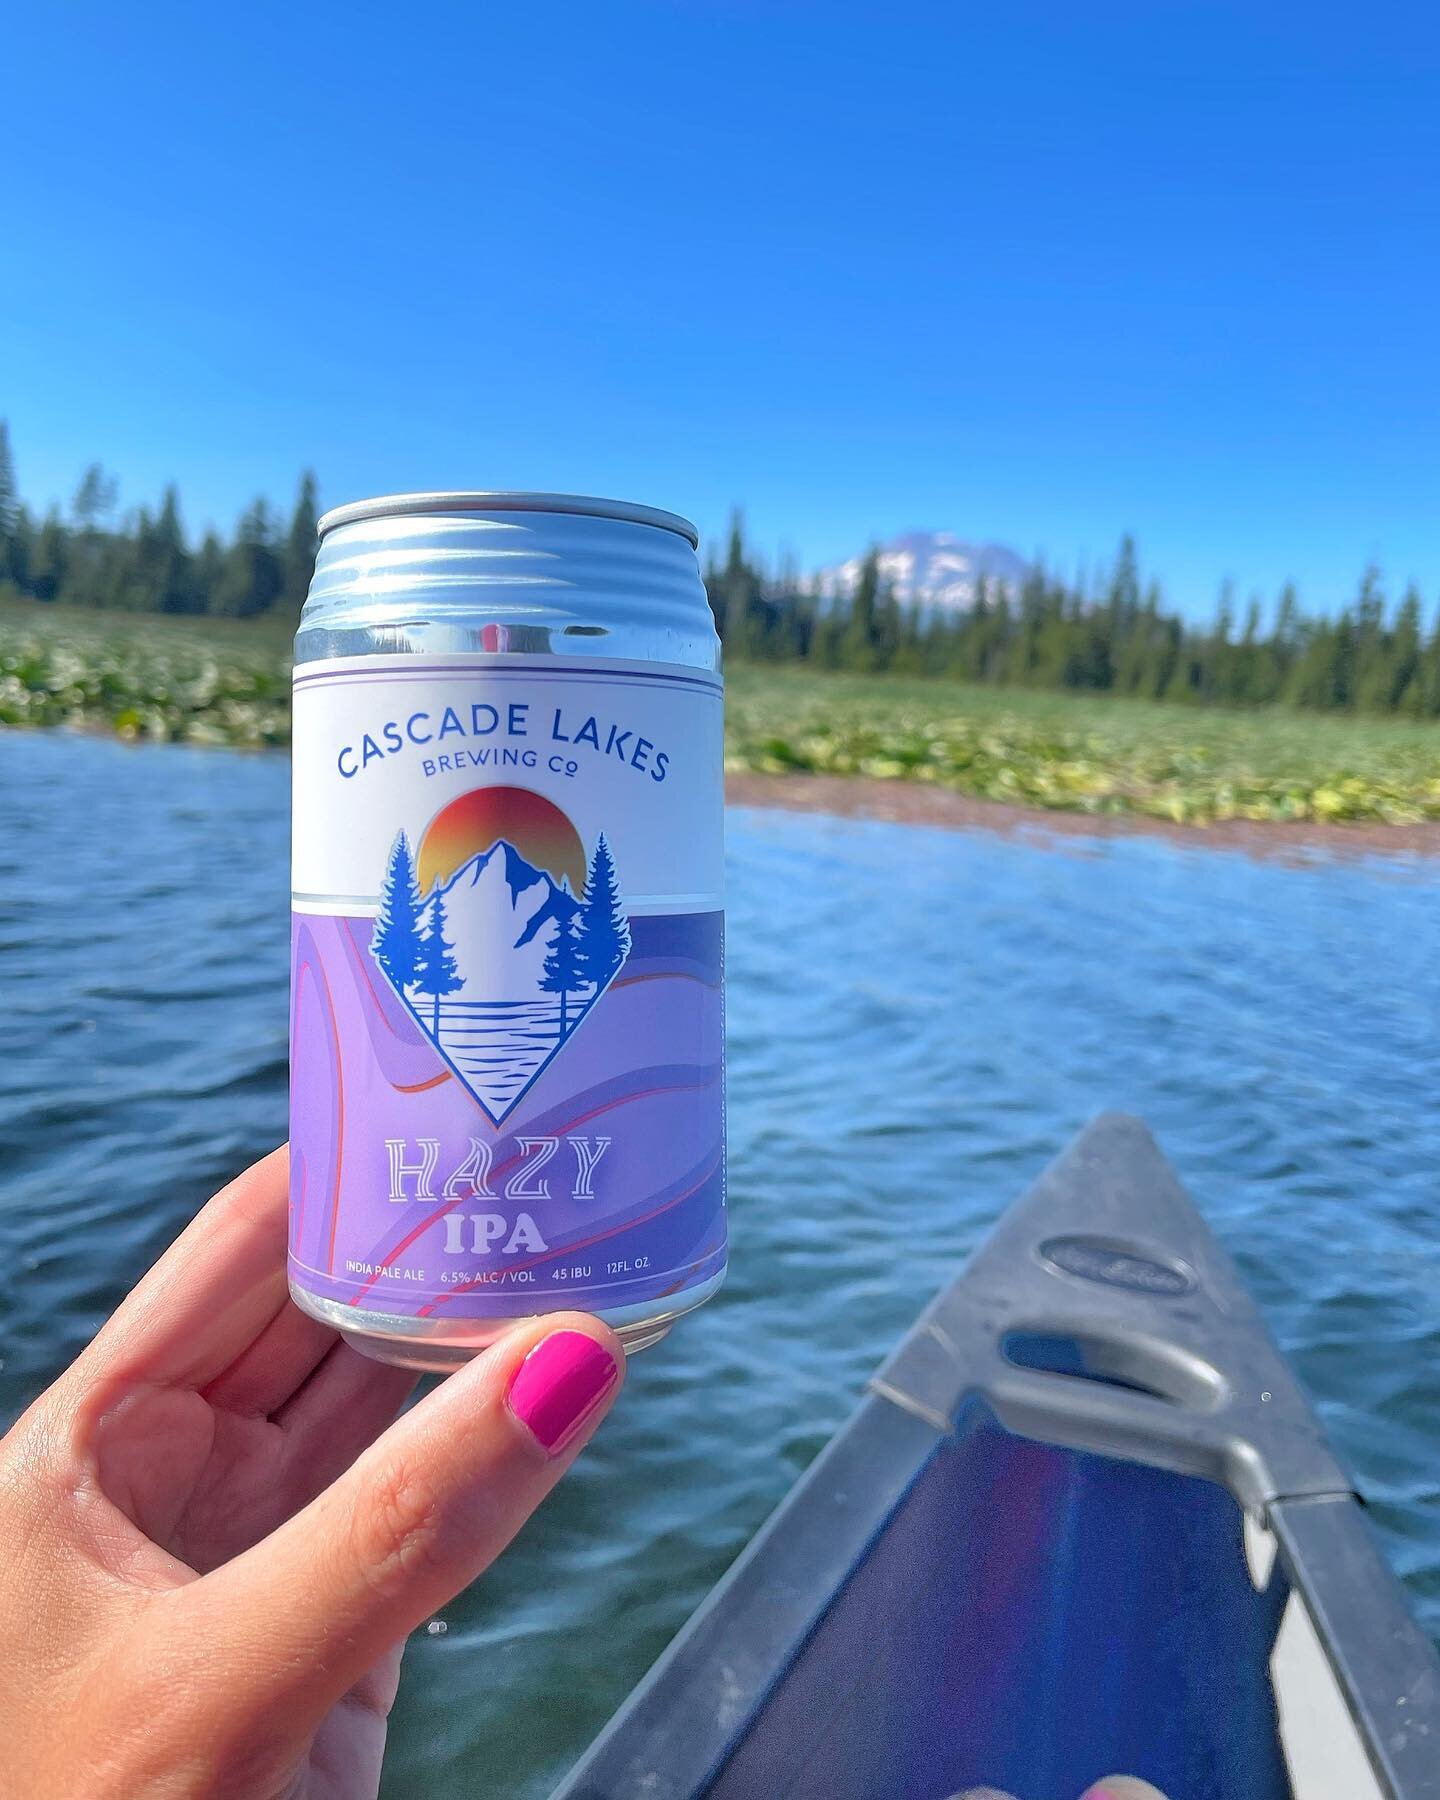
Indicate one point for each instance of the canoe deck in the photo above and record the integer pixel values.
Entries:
(1084, 1522)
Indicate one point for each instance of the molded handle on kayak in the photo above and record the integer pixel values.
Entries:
(1101, 1314)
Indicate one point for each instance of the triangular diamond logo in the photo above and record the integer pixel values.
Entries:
(499, 964)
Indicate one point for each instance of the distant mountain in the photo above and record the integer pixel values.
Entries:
(935, 567)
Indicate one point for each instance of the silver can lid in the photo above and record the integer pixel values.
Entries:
(393, 505)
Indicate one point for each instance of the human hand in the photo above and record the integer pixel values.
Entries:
(217, 1534)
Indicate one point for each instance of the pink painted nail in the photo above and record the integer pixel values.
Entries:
(558, 1386)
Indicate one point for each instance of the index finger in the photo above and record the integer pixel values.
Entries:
(418, 1515)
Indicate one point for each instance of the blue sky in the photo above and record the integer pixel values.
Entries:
(1036, 273)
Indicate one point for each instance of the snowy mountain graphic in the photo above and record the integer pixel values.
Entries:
(499, 965)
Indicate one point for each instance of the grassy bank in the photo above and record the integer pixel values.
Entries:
(209, 682)
(1077, 754)
(197, 681)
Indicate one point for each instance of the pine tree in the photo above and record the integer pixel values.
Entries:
(1285, 643)
(1287, 620)
(1187, 670)
(171, 572)
(828, 634)
(604, 929)
(1135, 656)
(253, 577)
(737, 583)
(934, 642)
(122, 578)
(1122, 602)
(86, 575)
(50, 560)
(1310, 683)
(300, 543)
(804, 615)
(714, 592)
(395, 944)
(1166, 660)
(436, 971)
(973, 631)
(9, 509)
(1428, 675)
(910, 656)
(1219, 651)
(1102, 631)
(1026, 659)
(209, 573)
(857, 644)
(1233, 681)
(22, 550)
(564, 972)
(1341, 682)
(1371, 648)
(888, 626)
(1404, 689)
(94, 498)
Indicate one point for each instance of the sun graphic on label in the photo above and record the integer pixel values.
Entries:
(527, 821)
(500, 933)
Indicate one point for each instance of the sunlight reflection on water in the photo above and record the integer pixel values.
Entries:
(918, 1021)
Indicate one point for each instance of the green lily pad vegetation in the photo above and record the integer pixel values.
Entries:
(208, 681)
(1081, 754)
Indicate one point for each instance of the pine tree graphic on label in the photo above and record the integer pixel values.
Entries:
(395, 944)
(499, 963)
(564, 973)
(604, 929)
(436, 971)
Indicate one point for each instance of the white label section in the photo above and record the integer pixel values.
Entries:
(463, 751)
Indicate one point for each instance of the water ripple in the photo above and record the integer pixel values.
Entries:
(918, 1020)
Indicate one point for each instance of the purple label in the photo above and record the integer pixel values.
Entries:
(507, 1088)
(538, 1136)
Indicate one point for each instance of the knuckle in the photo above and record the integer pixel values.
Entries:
(403, 1533)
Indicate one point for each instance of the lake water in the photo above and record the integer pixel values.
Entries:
(919, 1020)
(500, 1044)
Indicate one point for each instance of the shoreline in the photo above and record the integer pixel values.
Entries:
(921, 803)
(899, 802)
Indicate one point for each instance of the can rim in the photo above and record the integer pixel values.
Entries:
(483, 500)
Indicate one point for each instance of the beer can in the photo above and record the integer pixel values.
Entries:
(507, 1001)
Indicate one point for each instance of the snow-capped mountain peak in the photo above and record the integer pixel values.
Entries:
(937, 568)
(501, 859)
(503, 930)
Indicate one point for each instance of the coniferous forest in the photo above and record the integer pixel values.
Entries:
(1110, 634)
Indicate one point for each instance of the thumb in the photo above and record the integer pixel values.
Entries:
(419, 1515)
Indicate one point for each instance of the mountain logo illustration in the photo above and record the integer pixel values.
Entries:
(498, 962)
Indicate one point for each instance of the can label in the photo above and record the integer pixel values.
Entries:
(507, 1026)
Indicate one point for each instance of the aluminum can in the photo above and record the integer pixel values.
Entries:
(507, 1002)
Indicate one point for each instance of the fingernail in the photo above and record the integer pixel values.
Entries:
(558, 1386)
